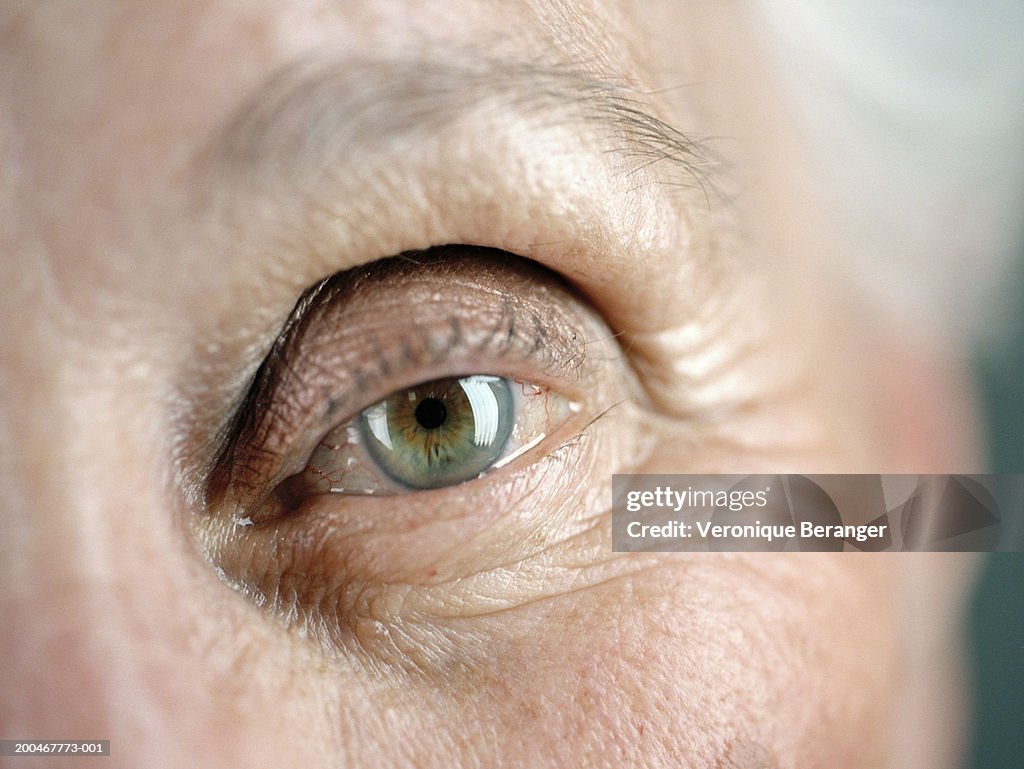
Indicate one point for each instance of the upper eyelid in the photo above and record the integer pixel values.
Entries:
(514, 329)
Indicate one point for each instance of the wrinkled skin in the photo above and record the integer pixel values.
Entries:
(162, 212)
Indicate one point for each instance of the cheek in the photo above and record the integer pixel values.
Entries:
(713, 661)
(565, 654)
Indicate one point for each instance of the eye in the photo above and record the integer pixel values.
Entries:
(418, 421)
(359, 396)
(434, 434)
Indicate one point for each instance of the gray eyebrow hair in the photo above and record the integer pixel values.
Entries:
(307, 112)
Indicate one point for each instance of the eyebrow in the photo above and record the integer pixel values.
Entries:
(309, 112)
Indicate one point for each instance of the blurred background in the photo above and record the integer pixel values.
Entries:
(996, 618)
(912, 115)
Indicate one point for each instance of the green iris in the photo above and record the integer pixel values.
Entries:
(442, 432)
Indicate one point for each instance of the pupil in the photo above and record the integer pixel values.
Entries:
(431, 413)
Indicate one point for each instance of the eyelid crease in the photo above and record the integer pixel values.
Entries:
(502, 312)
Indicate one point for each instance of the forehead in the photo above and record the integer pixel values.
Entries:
(106, 105)
(126, 50)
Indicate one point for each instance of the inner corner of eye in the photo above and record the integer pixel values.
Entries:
(434, 434)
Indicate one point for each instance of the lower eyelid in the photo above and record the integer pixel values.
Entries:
(341, 521)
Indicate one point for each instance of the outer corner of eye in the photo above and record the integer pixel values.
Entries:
(433, 434)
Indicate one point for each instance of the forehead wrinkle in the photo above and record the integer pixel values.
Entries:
(312, 112)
